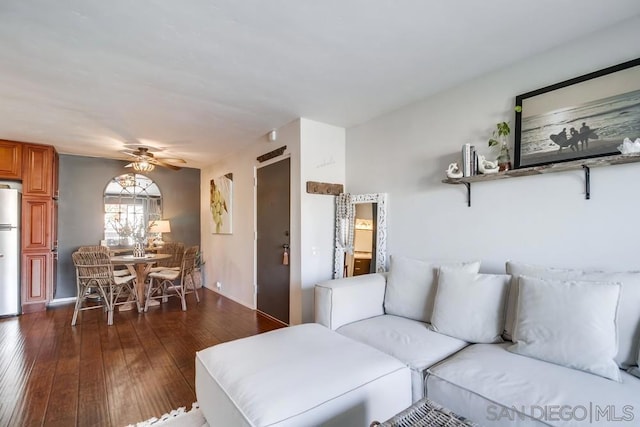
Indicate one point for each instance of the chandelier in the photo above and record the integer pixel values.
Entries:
(143, 166)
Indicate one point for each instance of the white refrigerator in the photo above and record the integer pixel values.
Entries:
(10, 202)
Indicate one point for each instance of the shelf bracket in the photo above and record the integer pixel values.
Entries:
(587, 182)
(468, 185)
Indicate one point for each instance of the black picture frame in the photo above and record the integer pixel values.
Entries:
(597, 111)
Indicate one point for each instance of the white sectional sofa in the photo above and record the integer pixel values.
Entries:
(536, 346)
(296, 377)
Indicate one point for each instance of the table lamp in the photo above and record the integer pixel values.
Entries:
(159, 227)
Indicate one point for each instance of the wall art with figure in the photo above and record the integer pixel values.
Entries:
(220, 204)
(585, 117)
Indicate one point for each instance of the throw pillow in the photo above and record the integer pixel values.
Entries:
(411, 286)
(570, 323)
(628, 312)
(516, 269)
(470, 306)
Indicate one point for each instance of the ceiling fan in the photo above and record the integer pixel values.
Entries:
(145, 161)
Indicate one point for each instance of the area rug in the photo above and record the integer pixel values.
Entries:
(177, 418)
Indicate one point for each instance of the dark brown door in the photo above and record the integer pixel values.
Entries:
(273, 221)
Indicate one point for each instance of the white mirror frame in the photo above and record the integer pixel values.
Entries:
(345, 224)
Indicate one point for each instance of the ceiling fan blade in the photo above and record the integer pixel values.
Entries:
(130, 153)
(142, 154)
(163, 164)
(172, 160)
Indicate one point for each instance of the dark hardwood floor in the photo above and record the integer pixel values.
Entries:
(92, 374)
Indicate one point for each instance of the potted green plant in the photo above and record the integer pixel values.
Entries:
(499, 138)
(198, 270)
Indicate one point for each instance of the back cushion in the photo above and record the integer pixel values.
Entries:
(411, 286)
(470, 306)
(516, 269)
(628, 310)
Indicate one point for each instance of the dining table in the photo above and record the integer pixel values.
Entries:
(140, 267)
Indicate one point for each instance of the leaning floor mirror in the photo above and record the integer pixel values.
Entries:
(361, 234)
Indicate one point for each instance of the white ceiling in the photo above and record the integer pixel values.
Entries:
(202, 78)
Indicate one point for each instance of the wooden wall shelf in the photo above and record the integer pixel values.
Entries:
(583, 164)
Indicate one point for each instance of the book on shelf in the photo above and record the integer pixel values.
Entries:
(469, 160)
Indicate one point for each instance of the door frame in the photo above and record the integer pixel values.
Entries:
(255, 226)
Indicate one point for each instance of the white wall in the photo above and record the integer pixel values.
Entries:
(317, 153)
(540, 219)
(322, 158)
(230, 258)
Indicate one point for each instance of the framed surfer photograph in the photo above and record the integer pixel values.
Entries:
(585, 117)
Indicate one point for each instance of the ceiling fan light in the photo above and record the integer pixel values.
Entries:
(143, 166)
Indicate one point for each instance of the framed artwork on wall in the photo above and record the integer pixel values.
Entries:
(585, 117)
(220, 203)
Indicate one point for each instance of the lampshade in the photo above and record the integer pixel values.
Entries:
(161, 226)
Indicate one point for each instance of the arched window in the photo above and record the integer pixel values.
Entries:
(131, 203)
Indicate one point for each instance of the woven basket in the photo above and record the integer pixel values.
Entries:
(426, 413)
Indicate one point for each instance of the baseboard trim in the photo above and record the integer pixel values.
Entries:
(34, 307)
(230, 297)
(59, 301)
(272, 318)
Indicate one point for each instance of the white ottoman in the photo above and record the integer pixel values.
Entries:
(305, 375)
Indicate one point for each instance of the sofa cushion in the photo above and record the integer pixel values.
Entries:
(628, 312)
(411, 286)
(509, 389)
(408, 340)
(470, 306)
(341, 301)
(300, 375)
(517, 269)
(570, 323)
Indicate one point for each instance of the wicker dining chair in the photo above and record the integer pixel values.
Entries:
(94, 270)
(178, 283)
(106, 250)
(176, 250)
(86, 292)
(95, 248)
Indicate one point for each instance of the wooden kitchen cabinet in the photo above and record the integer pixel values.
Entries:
(37, 166)
(39, 228)
(39, 260)
(36, 274)
(10, 159)
(37, 175)
(37, 224)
